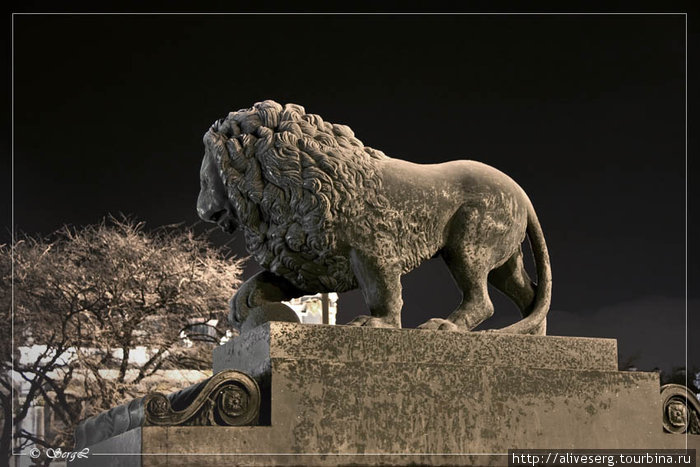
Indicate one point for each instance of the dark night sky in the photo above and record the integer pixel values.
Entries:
(586, 112)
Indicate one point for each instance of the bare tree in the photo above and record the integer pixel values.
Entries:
(100, 312)
(5, 363)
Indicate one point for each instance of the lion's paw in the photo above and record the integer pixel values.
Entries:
(439, 324)
(371, 322)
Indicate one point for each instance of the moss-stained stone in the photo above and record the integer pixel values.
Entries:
(252, 350)
(399, 407)
(368, 396)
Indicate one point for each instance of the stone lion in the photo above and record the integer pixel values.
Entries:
(321, 212)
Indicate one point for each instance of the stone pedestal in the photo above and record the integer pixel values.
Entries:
(360, 396)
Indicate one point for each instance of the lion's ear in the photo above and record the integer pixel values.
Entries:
(235, 155)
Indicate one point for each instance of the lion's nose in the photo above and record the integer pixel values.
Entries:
(210, 212)
(209, 206)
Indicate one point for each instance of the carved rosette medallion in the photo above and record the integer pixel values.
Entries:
(232, 400)
(681, 409)
(158, 405)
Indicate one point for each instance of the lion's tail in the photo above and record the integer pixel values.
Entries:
(536, 321)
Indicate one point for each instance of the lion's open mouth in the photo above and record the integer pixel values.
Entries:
(227, 225)
(224, 220)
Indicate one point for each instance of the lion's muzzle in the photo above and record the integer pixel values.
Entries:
(215, 213)
(213, 204)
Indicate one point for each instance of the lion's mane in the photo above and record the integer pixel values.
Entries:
(293, 179)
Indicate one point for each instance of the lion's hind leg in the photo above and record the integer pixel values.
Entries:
(471, 278)
(512, 279)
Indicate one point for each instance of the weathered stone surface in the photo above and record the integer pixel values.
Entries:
(401, 408)
(260, 446)
(390, 397)
(252, 351)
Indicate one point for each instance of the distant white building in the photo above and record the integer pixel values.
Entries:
(309, 308)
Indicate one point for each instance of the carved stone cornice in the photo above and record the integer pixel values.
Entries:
(229, 398)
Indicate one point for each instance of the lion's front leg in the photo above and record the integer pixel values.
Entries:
(381, 286)
(258, 301)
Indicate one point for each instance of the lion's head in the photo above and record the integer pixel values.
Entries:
(286, 178)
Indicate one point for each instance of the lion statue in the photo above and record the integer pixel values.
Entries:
(321, 212)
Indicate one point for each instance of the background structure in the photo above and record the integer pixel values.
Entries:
(586, 112)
